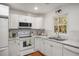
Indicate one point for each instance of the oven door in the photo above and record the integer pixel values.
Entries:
(26, 43)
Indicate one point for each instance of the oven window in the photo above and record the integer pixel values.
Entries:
(24, 44)
(23, 24)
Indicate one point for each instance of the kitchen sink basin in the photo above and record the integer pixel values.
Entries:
(57, 38)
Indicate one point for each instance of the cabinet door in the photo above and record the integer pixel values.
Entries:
(13, 48)
(48, 48)
(29, 19)
(37, 44)
(42, 45)
(37, 22)
(57, 49)
(70, 51)
(13, 21)
(23, 18)
(53, 48)
(4, 10)
(34, 23)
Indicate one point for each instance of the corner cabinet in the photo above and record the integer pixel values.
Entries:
(53, 48)
(37, 22)
(48, 48)
(40, 44)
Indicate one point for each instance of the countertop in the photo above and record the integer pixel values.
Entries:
(65, 42)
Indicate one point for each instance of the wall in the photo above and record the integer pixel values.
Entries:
(72, 12)
(20, 12)
(48, 23)
(73, 21)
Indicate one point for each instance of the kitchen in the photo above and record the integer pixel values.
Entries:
(50, 29)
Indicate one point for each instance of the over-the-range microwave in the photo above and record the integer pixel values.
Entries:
(25, 25)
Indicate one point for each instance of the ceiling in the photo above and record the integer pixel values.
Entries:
(29, 7)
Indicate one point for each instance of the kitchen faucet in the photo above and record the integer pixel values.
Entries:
(58, 36)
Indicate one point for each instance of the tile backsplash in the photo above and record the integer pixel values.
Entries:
(37, 32)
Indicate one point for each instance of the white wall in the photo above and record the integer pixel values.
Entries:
(72, 11)
(48, 23)
(20, 12)
(73, 21)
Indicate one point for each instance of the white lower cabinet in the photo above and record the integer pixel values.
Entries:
(40, 44)
(37, 44)
(57, 49)
(52, 48)
(13, 48)
(47, 47)
(70, 51)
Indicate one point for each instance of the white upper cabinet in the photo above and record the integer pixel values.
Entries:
(4, 10)
(37, 23)
(13, 21)
(29, 19)
(23, 18)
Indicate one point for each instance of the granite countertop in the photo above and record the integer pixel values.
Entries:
(65, 42)
(40, 36)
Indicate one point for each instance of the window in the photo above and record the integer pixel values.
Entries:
(60, 24)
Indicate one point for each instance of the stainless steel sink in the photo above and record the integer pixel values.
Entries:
(57, 38)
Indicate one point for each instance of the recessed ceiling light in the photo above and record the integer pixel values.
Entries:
(35, 8)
